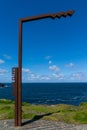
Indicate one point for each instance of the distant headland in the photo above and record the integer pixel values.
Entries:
(2, 85)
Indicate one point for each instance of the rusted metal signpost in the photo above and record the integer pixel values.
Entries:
(17, 72)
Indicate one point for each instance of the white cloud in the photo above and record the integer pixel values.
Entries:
(2, 61)
(54, 68)
(58, 76)
(50, 62)
(44, 77)
(33, 77)
(7, 57)
(26, 70)
(3, 71)
(48, 57)
(70, 65)
(77, 76)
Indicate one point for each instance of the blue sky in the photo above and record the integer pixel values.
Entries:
(53, 50)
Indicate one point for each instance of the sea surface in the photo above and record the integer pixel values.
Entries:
(49, 93)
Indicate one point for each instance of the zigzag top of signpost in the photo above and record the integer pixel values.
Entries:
(53, 16)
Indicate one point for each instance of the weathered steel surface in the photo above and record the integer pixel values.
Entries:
(20, 76)
(58, 15)
(18, 71)
(15, 91)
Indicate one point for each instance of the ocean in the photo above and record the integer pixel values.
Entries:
(49, 93)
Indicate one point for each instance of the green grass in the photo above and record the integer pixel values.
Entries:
(60, 112)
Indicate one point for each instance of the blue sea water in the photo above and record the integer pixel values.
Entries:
(49, 93)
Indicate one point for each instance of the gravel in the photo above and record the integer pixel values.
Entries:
(40, 125)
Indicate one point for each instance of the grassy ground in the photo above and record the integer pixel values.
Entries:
(60, 112)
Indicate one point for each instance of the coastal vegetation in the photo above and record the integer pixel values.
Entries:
(60, 112)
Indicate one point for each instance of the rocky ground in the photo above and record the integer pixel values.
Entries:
(40, 125)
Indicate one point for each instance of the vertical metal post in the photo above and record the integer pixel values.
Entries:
(20, 76)
(16, 96)
(15, 91)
